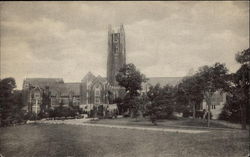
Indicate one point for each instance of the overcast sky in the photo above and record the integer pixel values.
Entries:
(68, 39)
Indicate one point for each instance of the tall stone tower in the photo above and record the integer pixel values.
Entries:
(116, 53)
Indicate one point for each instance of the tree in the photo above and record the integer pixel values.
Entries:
(162, 101)
(190, 92)
(131, 79)
(242, 82)
(211, 79)
(152, 108)
(10, 102)
(232, 110)
(237, 105)
(46, 101)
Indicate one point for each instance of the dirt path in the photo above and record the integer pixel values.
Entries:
(82, 122)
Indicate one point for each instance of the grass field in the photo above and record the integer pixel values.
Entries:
(47, 140)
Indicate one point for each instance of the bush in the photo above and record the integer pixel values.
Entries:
(230, 114)
(167, 113)
(32, 116)
(187, 113)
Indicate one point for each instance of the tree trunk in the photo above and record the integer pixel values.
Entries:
(243, 104)
(243, 116)
(193, 111)
(208, 100)
(193, 107)
(208, 114)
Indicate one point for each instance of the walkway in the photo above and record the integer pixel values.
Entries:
(82, 122)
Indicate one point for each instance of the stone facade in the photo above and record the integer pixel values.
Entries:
(116, 53)
(92, 90)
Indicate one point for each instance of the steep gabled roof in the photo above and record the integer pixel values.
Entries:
(88, 77)
(101, 79)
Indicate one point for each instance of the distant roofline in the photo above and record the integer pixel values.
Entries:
(166, 77)
(43, 78)
(96, 77)
(39, 78)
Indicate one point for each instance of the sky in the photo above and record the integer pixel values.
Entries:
(163, 39)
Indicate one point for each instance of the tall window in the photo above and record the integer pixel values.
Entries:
(37, 95)
(97, 101)
(97, 94)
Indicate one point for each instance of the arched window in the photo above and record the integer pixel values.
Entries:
(97, 94)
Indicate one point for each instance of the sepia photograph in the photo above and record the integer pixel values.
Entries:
(124, 79)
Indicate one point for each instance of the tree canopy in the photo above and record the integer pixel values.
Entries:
(238, 99)
(131, 79)
(162, 102)
(243, 57)
(10, 102)
(190, 92)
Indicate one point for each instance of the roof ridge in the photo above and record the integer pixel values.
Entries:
(43, 78)
(167, 77)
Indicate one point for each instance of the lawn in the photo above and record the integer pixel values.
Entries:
(47, 140)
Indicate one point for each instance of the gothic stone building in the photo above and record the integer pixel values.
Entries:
(92, 90)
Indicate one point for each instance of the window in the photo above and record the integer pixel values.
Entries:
(116, 37)
(97, 100)
(37, 95)
(97, 92)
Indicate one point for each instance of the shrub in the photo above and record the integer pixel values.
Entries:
(32, 116)
(187, 113)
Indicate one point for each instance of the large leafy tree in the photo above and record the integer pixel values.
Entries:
(243, 81)
(153, 108)
(131, 79)
(162, 101)
(212, 79)
(190, 92)
(10, 102)
(237, 105)
(238, 99)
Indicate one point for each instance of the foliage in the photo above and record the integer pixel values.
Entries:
(45, 99)
(131, 79)
(243, 57)
(32, 116)
(189, 95)
(162, 102)
(10, 103)
(137, 105)
(121, 106)
(212, 79)
(237, 105)
(61, 111)
(232, 110)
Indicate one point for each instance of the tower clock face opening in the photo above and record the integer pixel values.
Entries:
(116, 39)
